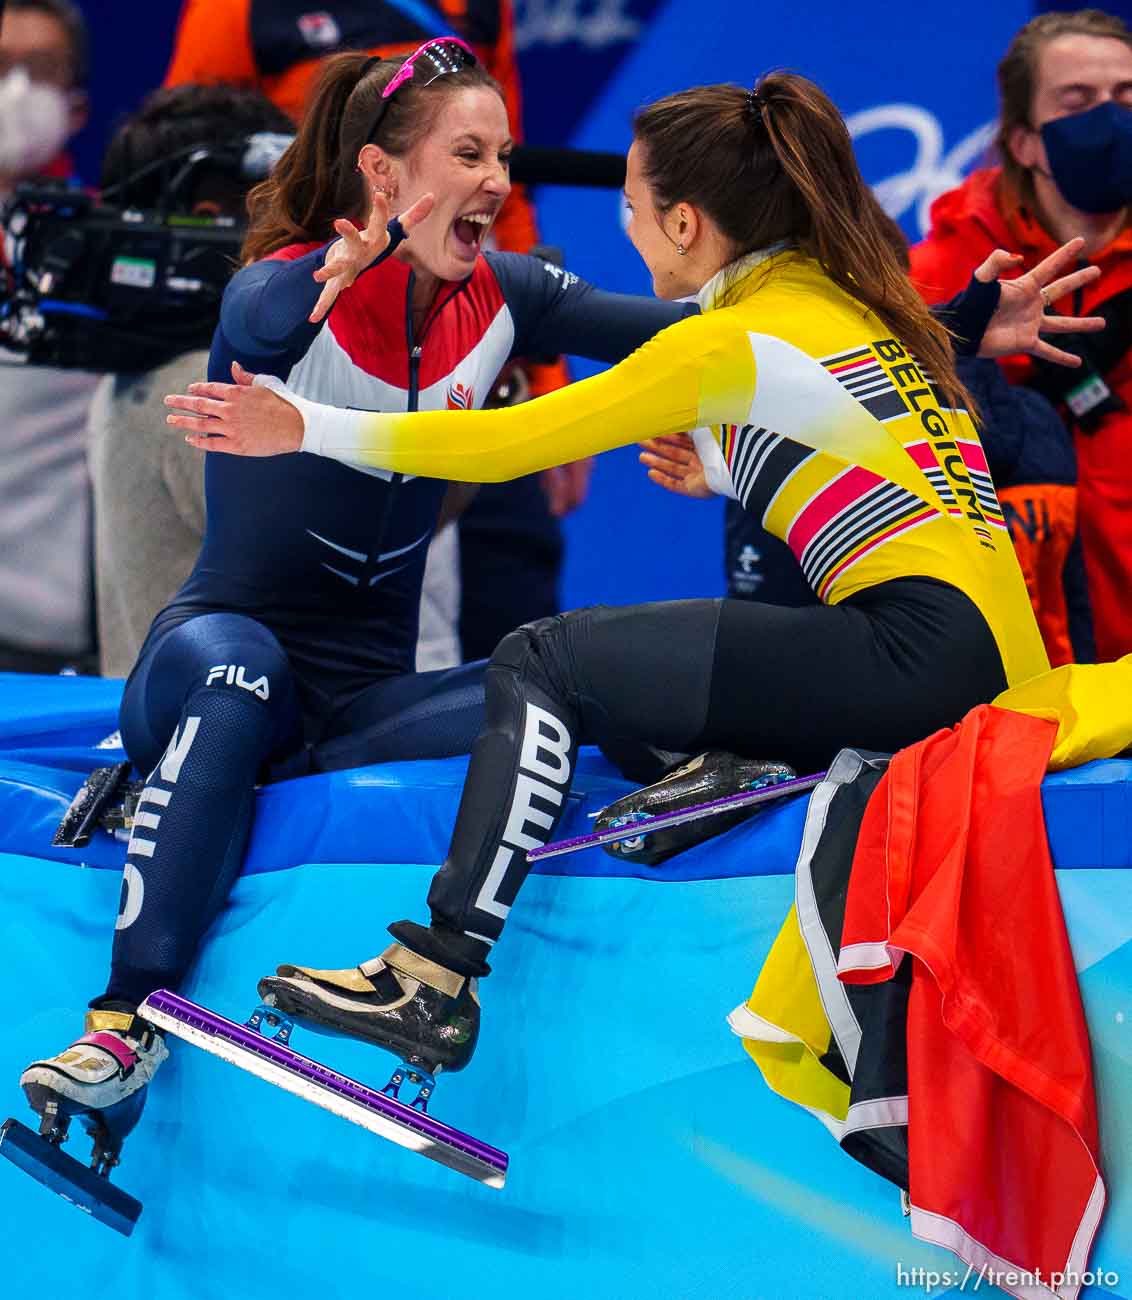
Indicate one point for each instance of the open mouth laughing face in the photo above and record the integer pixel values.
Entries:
(464, 162)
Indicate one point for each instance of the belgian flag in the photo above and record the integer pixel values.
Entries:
(922, 1002)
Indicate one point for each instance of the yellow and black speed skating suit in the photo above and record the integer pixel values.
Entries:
(811, 413)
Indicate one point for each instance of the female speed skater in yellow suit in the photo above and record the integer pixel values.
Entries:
(824, 398)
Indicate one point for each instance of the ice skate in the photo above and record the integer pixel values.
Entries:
(101, 1080)
(412, 1006)
(114, 1059)
(707, 777)
(434, 1028)
(106, 800)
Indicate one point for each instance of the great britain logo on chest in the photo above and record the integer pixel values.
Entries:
(461, 397)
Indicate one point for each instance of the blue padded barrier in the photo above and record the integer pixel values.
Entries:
(648, 1160)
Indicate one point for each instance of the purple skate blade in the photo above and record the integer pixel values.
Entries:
(335, 1092)
(68, 1178)
(662, 821)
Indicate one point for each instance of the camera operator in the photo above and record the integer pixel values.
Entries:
(148, 487)
(45, 550)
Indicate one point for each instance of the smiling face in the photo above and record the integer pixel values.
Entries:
(464, 162)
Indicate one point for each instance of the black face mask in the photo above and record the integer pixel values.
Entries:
(1090, 157)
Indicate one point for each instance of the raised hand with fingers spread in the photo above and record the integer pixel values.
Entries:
(355, 248)
(1022, 318)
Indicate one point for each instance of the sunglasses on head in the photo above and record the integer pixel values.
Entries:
(432, 60)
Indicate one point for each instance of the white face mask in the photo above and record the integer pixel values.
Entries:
(34, 124)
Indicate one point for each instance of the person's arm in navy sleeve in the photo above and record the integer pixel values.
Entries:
(267, 306)
(554, 311)
(1001, 317)
(967, 315)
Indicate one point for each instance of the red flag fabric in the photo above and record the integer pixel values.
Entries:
(952, 868)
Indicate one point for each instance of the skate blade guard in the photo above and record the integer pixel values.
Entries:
(712, 775)
(89, 806)
(272, 1060)
(649, 824)
(69, 1178)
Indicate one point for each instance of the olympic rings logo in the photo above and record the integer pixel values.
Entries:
(933, 171)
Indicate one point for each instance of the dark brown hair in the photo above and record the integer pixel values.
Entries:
(1018, 76)
(174, 119)
(780, 167)
(316, 182)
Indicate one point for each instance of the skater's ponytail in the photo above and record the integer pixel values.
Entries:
(776, 165)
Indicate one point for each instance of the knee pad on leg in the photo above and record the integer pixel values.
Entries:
(537, 652)
(212, 650)
(240, 654)
(515, 650)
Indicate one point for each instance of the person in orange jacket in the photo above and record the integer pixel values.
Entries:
(1065, 141)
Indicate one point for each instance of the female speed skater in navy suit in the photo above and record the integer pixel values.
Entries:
(290, 646)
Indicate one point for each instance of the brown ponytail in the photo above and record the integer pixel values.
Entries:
(778, 166)
(316, 181)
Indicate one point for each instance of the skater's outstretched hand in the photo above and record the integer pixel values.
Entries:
(1022, 317)
(243, 418)
(673, 462)
(355, 249)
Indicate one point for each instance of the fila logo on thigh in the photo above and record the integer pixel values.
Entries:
(154, 796)
(544, 774)
(236, 675)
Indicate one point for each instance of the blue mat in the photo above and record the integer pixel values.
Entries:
(648, 1161)
(53, 731)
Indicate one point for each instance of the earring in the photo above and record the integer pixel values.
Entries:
(681, 249)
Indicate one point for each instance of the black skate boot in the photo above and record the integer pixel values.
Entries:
(423, 1012)
(708, 776)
